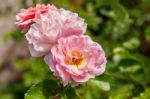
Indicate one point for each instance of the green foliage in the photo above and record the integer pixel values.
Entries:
(145, 95)
(97, 89)
(100, 85)
(36, 70)
(121, 92)
(48, 89)
(43, 90)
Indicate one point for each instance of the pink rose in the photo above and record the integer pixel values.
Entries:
(72, 23)
(49, 27)
(26, 16)
(76, 59)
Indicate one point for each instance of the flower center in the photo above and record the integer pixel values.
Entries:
(76, 59)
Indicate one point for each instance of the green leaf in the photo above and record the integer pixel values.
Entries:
(145, 95)
(132, 44)
(43, 90)
(130, 68)
(105, 86)
(121, 91)
(70, 92)
(95, 89)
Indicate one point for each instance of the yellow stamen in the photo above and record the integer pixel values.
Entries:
(76, 59)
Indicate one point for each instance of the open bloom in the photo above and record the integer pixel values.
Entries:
(76, 59)
(26, 16)
(49, 27)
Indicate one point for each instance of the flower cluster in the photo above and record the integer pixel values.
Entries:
(58, 35)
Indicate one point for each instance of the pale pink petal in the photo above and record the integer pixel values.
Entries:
(35, 53)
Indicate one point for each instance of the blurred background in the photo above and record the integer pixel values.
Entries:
(122, 27)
